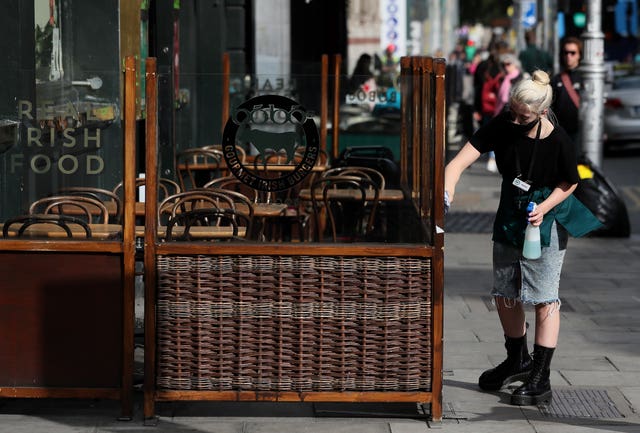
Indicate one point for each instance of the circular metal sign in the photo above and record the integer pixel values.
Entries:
(274, 125)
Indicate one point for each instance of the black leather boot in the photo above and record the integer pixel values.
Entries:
(516, 367)
(537, 388)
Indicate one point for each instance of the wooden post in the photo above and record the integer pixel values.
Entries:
(128, 236)
(439, 68)
(405, 80)
(335, 145)
(226, 71)
(150, 233)
(324, 101)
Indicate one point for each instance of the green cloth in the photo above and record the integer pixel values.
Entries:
(532, 58)
(511, 219)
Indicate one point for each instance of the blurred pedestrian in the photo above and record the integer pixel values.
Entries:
(362, 86)
(455, 72)
(512, 74)
(485, 70)
(486, 80)
(567, 86)
(538, 163)
(533, 57)
(389, 65)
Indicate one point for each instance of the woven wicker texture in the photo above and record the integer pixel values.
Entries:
(301, 323)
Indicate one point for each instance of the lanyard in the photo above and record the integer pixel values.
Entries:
(533, 155)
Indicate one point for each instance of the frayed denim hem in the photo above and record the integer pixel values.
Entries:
(510, 302)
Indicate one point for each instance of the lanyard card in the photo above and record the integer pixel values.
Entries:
(521, 184)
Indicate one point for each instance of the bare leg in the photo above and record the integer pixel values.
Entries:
(512, 318)
(547, 324)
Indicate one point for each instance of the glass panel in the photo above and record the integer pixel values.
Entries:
(60, 118)
(276, 138)
(273, 149)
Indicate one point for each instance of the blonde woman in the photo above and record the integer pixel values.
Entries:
(537, 162)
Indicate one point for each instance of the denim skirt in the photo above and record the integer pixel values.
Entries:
(529, 281)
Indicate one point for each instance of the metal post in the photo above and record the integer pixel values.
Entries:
(593, 73)
(517, 25)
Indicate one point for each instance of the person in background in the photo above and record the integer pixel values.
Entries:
(362, 85)
(532, 57)
(488, 69)
(512, 74)
(389, 67)
(538, 163)
(454, 90)
(485, 70)
(567, 85)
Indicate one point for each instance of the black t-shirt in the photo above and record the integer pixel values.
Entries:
(555, 160)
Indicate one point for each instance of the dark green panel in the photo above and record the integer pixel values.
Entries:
(208, 30)
(16, 83)
(235, 19)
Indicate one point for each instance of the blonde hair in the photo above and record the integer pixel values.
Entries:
(535, 92)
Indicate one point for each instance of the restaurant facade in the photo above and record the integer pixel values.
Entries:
(283, 227)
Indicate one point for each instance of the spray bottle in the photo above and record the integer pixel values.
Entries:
(531, 248)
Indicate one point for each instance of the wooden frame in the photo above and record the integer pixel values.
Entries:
(120, 257)
(423, 182)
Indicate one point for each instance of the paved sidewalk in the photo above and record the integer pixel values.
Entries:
(595, 370)
(595, 373)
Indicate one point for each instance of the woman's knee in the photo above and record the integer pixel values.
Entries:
(502, 302)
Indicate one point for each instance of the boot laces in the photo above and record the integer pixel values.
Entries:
(537, 371)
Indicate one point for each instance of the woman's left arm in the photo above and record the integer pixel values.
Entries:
(557, 196)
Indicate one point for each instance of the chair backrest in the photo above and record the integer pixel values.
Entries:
(379, 157)
(240, 151)
(104, 195)
(197, 166)
(350, 202)
(166, 187)
(208, 217)
(242, 204)
(232, 183)
(63, 221)
(91, 209)
(193, 199)
(271, 157)
(366, 172)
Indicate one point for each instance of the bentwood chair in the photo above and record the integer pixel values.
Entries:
(205, 198)
(349, 203)
(166, 187)
(232, 183)
(28, 223)
(352, 170)
(208, 217)
(197, 166)
(92, 210)
(239, 150)
(104, 195)
(241, 202)
(189, 200)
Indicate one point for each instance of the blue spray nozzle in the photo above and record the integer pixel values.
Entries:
(531, 206)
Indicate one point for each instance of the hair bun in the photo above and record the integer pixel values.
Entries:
(541, 77)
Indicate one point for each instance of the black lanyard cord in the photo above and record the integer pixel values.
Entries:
(533, 154)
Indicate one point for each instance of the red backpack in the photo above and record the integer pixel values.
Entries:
(489, 94)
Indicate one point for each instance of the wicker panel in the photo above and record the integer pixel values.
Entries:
(300, 323)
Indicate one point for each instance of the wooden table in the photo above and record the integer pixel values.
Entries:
(346, 194)
(259, 209)
(268, 167)
(111, 231)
